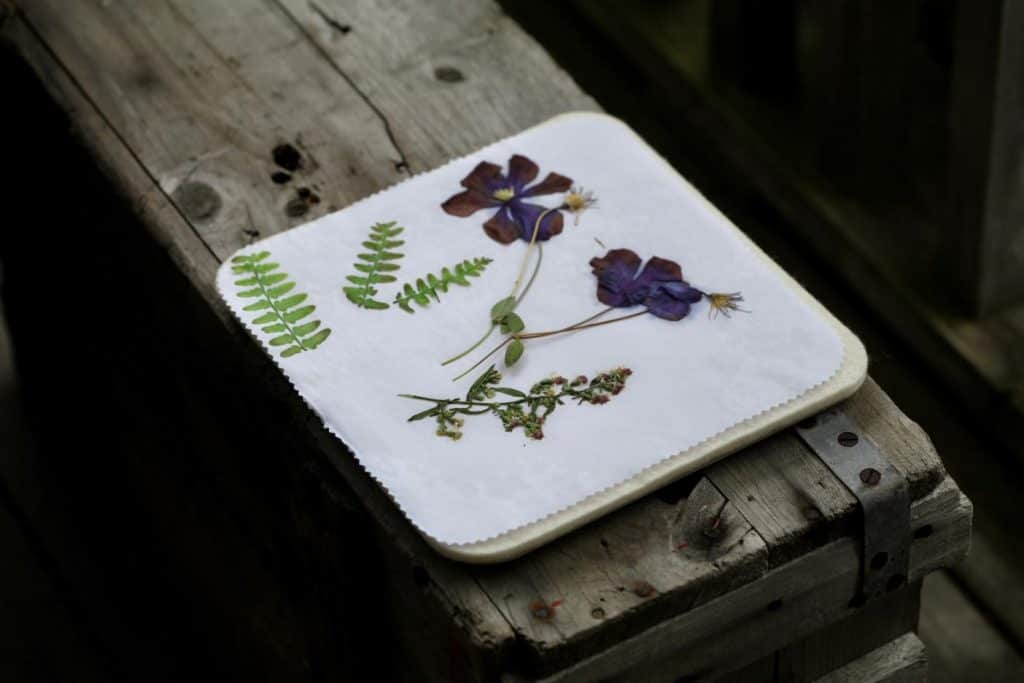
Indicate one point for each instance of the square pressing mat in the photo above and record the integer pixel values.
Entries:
(700, 387)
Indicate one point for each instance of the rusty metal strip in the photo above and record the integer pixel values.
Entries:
(880, 489)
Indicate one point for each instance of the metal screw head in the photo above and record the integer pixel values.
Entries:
(870, 476)
(847, 439)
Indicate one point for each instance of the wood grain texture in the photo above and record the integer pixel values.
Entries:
(904, 660)
(183, 110)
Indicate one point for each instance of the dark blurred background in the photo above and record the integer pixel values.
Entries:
(872, 148)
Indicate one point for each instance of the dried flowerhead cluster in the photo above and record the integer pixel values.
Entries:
(526, 410)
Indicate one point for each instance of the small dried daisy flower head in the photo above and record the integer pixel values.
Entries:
(724, 303)
(579, 200)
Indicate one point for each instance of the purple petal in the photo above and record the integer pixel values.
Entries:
(551, 184)
(526, 216)
(682, 291)
(666, 306)
(659, 270)
(502, 228)
(521, 172)
(615, 271)
(485, 178)
(467, 203)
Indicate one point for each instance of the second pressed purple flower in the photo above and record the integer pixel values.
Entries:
(660, 285)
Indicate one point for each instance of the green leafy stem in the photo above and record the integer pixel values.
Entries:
(375, 266)
(427, 289)
(528, 410)
(281, 309)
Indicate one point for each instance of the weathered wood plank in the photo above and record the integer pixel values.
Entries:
(902, 661)
(787, 603)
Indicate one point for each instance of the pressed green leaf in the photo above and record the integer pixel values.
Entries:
(298, 313)
(429, 412)
(293, 300)
(318, 338)
(510, 392)
(513, 353)
(275, 292)
(257, 305)
(388, 267)
(390, 255)
(274, 278)
(375, 305)
(241, 258)
(305, 328)
(249, 293)
(392, 244)
(260, 256)
(282, 340)
(368, 257)
(512, 323)
(355, 279)
(291, 351)
(404, 305)
(265, 318)
(354, 294)
(274, 329)
(503, 308)
(247, 282)
(266, 267)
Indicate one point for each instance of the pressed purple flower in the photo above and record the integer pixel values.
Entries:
(660, 285)
(487, 187)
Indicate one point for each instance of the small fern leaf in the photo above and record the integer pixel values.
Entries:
(432, 286)
(374, 264)
(306, 328)
(317, 339)
(268, 285)
(298, 314)
(292, 301)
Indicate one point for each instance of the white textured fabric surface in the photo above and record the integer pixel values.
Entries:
(691, 379)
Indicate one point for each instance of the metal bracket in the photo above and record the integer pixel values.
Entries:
(881, 490)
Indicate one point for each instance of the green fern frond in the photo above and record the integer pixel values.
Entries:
(427, 288)
(375, 266)
(279, 308)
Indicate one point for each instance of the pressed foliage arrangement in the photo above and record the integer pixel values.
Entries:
(282, 313)
(657, 289)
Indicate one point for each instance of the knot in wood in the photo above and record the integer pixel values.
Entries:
(448, 74)
(197, 200)
(643, 589)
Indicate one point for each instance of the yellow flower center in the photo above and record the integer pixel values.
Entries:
(575, 201)
(504, 194)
